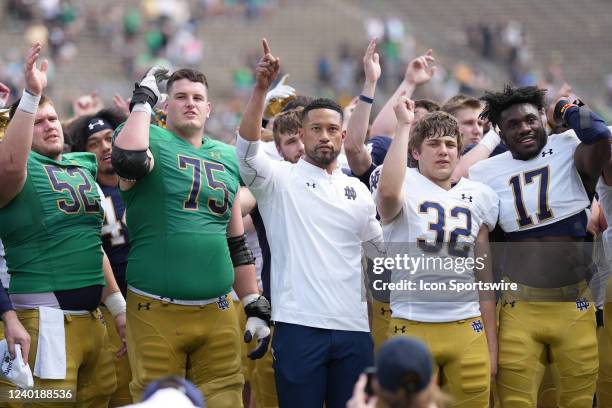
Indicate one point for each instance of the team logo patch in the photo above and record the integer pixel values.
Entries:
(466, 197)
(350, 193)
(477, 326)
(545, 152)
(311, 185)
(582, 304)
(397, 329)
(374, 180)
(222, 303)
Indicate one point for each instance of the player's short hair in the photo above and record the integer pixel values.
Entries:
(322, 103)
(190, 74)
(460, 101)
(497, 102)
(427, 104)
(300, 101)
(289, 122)
(44, 99)
(76, 131)
(433, 125)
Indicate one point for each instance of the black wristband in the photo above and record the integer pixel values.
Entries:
(366, 99)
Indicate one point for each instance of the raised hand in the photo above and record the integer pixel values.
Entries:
(371, 64)
(267, 69)
(35, 78)
(421, 69)
(404, 110)
(122, 105)
(87, 104)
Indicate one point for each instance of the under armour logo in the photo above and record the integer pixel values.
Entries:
(144, 306)
(383, 311)
(466, 197)
(399, 329)
(511, 303)
(92, 125)
(350, 193)
(313, 185)
(477, 326)
(222, 303)
(544, 153)
(582, 304)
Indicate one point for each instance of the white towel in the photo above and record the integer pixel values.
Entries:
(15, 370)
(51, 350)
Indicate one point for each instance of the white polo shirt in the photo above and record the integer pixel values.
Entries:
(315, 223)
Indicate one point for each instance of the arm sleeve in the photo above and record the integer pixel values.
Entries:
(256, 168)
(589, 126)
(5, 301)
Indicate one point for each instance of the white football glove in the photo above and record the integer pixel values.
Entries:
(150, 81)
(281, 92)
(257, 309)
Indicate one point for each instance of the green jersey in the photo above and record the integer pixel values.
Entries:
(51, 229)
(178, 215)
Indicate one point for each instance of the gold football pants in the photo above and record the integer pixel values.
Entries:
(461, 355)
(90, 373)
(531, 333)
(200, 343)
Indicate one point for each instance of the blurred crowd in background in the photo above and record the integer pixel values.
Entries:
(142, 33)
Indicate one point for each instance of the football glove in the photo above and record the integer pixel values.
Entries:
(147, 90)
(278, 98)
(258, 312)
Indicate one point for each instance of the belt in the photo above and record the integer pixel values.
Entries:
(177, 301)
(561, 294)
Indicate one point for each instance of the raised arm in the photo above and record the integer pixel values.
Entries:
(265, 73)
(480, 152)
(359, 158)
(131, 158)
(17, 141)
(417, 73)
(593, 153)
(390, 194)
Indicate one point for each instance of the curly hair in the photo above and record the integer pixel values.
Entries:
(497, 102)
(75, 132)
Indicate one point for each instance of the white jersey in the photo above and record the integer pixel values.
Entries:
(431, 217)
(604, 192)
(536, 192)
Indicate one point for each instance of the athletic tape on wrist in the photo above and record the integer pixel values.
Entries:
(143, 107)
(115, 303)
(28, 102)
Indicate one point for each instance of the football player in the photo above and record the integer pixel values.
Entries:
(187, 244)
(540, 185)
(50, 220)
(94, 133)
(604, 333)
(420, 207)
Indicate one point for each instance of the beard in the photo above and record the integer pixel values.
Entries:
(323, 159)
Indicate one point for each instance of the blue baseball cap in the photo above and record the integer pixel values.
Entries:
(404, 363)
(178, 383)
